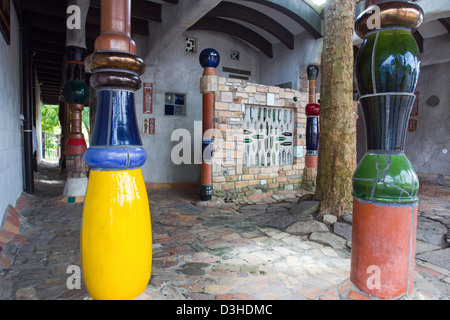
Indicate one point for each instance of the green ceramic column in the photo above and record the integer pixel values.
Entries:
(385, 184)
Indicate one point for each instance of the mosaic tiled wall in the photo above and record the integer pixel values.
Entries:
(268, 135)
(236, 172)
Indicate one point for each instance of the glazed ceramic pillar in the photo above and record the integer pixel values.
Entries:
(385, 184)
(209, 60)
(116, 232)
(312, 120)
(76, 95)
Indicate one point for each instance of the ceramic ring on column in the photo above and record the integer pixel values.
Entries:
(398, 14)
(115, 60)
(115, 79)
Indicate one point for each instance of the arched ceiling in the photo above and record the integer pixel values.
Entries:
(260, 23)
(47, 19)
(263, 23)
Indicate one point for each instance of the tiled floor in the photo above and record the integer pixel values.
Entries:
(212, 252)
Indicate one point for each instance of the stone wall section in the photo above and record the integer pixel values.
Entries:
(231, 180)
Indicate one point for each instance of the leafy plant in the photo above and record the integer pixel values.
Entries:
(49, 118)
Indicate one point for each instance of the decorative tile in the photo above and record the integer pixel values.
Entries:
(268, 136)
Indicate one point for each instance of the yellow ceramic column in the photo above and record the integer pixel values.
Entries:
(116, 235)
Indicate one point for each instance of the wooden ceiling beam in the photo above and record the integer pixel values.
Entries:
(141, 9)
(47, 7)
(50, 100)
(55, 38)
(50, 58)
(46, 84)
(47, 47)
(49, 67)
(234, 29)
(235, 11)
(52, 93)
(54, 8)
(138, 25)
(446, 23)
(299, 11)
(44, 88)
(50, 77)
(58, 24)
(419, 39)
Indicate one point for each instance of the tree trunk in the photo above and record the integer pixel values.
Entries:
(337, 142)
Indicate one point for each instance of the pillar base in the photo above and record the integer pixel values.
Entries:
(75, 187)
(205, 192)
(116, 236)
(383, 248)
(311, 161)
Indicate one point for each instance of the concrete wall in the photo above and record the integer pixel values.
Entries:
(289, 65)
(38, 105)
(11, 185)
(178, 71)
(426, 147)
(164, 73)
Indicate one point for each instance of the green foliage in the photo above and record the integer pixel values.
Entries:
(50, 120)
(85, 118)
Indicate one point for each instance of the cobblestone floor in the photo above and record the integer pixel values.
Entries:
(250, 251)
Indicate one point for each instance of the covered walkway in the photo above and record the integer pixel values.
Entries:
(250, 251)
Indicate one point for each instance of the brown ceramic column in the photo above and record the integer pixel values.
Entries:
(312, 120)
(209, 60)
(208, 102)
(116, 27)
(76, 94)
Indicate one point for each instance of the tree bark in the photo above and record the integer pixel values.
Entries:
(337, 141)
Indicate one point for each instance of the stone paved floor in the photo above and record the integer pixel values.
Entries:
(253, 251)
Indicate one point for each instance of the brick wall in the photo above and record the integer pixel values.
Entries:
(231, 179)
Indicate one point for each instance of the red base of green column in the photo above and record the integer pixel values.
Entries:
(383, 248)
(311, 161)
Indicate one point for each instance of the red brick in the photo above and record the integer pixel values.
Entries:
(234, 296)
(429, 272)
(256, 197)
(10, 227)
(254, 170)
(14, 221)
(234, 107)
(13, 212)
(228, 186)
(353, 295)
(330, 295)
(241, 184)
